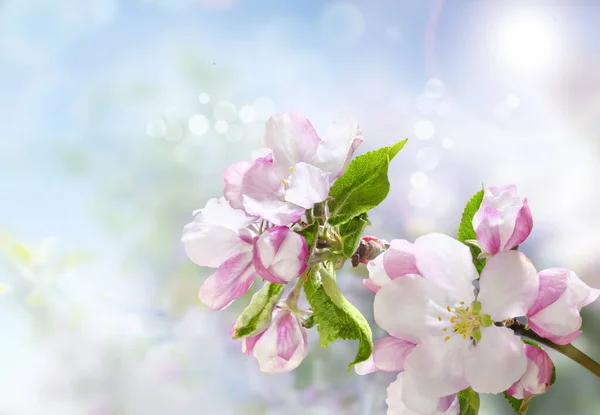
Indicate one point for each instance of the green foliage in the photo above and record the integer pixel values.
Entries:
(257, 316)
(466, 232)
(351, 233)
(310, 233)
(521, 406)
(364, 185)
(468, 400)
(337, 317)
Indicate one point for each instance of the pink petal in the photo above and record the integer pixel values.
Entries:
(486, 222)
(522, 229)
(292, 139)
(553, 283)
(233, 278)
(537, 377)
(366, 367)
(280, 255)
(560, 321)
(283, 344)
(447, 263)
(307, 185)
(508, 286)
(248, 343)
(496, 362)
(399, 260)
(377, 275)
(390, 353)
(409, 307)
(261, 180)
(233, 177)
(276, 211)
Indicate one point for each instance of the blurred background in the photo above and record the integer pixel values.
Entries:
(118, 116)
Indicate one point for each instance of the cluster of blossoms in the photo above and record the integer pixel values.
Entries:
(251, 232)
(450, 326)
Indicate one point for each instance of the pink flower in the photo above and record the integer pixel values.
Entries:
(225, 238)
(537, 377)
(398, 261)
(555, 313)
(282, 346)
(280, 255)
(388, 355)
(447, 405)
(503, 220)
(296, 171)
(456, 343)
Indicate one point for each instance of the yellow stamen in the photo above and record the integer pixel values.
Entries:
(446, 338)
(439, 318)
(445, 329)
(291, 169)
(448, 308)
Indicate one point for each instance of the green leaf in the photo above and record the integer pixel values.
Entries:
(468, 400)
(337, 317)
(364, 185)
(521, 406)
(257, 316)
(351, 232)
(310, 233)
(466, 231)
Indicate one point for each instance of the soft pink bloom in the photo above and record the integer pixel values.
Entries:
(282, 346)
(536, 379)
(296, 173)
(280, 255)
(555, 313)
(503, 220)
(388, 355)
(399, 260)
(225, 238)
(447, 405)
(430, 310)
(220, 237)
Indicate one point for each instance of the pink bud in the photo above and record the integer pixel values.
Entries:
(503, 220)
(555, 313)
(280, 255)
(399, 260)
(537, 377)
(282, 346)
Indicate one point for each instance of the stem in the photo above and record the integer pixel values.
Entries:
(568, 350)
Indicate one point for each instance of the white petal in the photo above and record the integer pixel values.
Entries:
(276, 211)
(337, 146)
(508, 286)
(377, 275)
(447, 263)
(209, 245)
(396, 405)
(436, 367)
(496, 362)
(292, 139)
(409, 307)
(307, 185)
(220, 212)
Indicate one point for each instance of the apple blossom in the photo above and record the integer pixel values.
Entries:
(503, 220)
(555, 313)
(537, 377)
(282, 346)
(226, 238)
(457, 344)
(389, 354)
(448, 405)
(296, 171)
(398, 261)
(280, 255)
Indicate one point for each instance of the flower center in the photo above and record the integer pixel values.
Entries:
(466, 321)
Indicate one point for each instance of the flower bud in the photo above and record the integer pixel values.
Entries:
(555, 313)
(399, 260)
(282, 346)
(280, 255)
(503, 220)
(537, 377)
